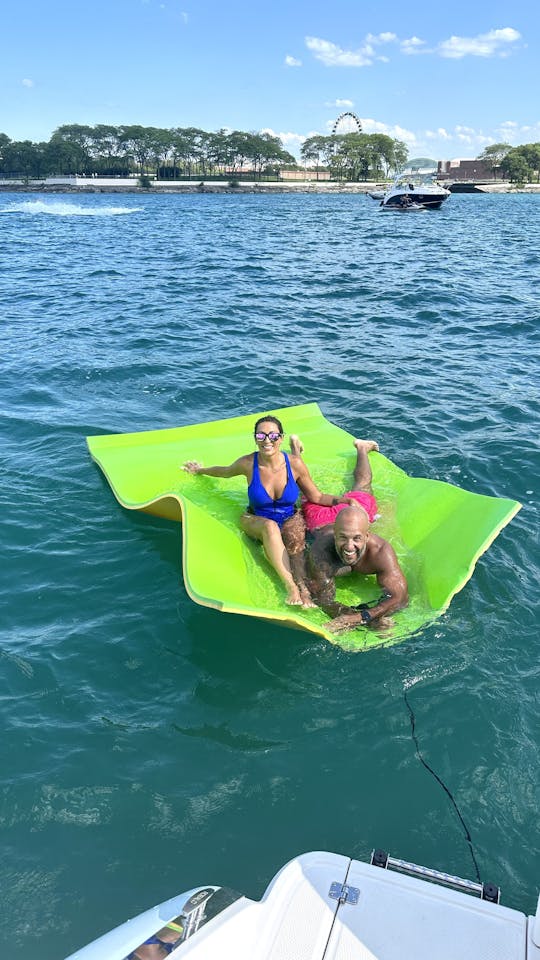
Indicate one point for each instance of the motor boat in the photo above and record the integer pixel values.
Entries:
(413, 191)
(326, 906)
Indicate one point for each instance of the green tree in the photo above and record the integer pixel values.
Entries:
(107, 149)
(23, 159)
(195, 144)
(137, 144)
(515, 167)
(494, 155)
(401, 154)
(531, 154)
(62, 157)
(313, 150)
(80, 137)
(264, 149)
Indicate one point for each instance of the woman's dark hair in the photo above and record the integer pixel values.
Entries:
(268, 418)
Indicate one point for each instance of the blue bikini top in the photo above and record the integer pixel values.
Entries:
(262, 504)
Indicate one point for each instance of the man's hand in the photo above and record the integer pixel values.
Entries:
(349, 621)
(341, 623)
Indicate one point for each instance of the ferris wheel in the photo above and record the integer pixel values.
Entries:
(346, 118)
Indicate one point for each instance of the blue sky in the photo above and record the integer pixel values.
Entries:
(447, 78)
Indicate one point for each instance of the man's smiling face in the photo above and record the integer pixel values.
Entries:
(351, 535)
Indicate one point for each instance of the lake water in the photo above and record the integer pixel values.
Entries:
(149, 744)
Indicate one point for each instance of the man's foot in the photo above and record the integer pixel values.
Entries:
(296, 445)
(307, 599)
(365, 445)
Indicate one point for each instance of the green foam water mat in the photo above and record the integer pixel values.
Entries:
(437, 530)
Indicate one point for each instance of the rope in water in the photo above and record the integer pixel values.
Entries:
(442, 784)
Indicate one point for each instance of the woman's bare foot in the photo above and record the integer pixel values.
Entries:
(366, 445)
(296, 445)
(293, 596)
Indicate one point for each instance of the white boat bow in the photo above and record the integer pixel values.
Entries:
(325, 906)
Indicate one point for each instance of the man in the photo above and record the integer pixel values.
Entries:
(343, 543)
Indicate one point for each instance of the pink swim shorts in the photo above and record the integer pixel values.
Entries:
(317, 516)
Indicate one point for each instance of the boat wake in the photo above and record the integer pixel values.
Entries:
(58, 209)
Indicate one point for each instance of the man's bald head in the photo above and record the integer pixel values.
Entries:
(354, 513)
(351, 533)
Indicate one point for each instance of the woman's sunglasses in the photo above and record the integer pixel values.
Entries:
(273, 436)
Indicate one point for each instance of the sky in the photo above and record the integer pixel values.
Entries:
(446, 78)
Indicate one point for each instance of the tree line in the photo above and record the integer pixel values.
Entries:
(517, 164)
(179, 152)
(105, 150)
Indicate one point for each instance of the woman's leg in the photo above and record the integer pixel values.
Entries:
(269, 534)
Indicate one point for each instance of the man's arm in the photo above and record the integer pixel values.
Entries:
(384, 564)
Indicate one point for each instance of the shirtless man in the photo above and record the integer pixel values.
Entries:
(343, 543)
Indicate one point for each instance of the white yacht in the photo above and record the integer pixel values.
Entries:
(411, 191)
(325, 906)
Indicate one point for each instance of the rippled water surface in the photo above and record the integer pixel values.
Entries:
(149, 744)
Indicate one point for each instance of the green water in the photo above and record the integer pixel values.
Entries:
(149, 744)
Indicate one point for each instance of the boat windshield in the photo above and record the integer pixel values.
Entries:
(416, 179)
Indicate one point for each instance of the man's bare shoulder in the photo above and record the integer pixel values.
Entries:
(379, 556)
(322, 549)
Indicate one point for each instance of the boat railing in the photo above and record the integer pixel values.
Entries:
(486, 891)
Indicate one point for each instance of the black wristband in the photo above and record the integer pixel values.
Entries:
(335, 501)
(366, 616)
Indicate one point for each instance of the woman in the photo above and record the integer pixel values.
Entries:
(275, 481)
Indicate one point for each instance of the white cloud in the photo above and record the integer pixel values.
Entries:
(292, 62)
(339, 103)
(288, 139)
(391, 130)
(334, 56)
(495, 43)
(184, 16)
(27, 82)
(439, 134)
(511, 132)
(413, 45)
(382, 37)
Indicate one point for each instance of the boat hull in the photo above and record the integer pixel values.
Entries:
(430, 201)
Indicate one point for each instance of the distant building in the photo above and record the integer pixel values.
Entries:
(309, 173)
(464, 170)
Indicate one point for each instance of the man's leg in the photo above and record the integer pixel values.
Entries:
(293, 532)
(362, 470)
(296, 445)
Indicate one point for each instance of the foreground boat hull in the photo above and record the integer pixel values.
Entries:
(325, 906)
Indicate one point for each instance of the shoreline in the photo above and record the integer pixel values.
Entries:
(80, 185)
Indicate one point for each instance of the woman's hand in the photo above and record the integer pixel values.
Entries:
(192, 466)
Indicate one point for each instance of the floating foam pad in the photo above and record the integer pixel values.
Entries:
(437, 530)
